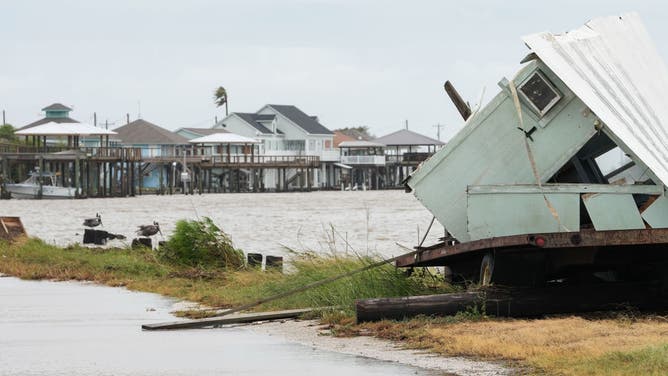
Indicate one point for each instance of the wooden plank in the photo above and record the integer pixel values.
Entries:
(519, 302)
(226, 320)
(457, 100)
(565, 188)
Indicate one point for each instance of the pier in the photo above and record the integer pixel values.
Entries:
(120, 171)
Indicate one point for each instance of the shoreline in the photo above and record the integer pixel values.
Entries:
(312, 333)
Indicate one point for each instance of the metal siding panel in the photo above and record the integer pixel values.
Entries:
(490, 150)
(501, 214)
(611, 211)
(656, 215)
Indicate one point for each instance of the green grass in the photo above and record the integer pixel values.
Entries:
(143, 270)
(648, 361)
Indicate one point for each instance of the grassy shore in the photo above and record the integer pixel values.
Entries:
(143, 270)
(625, 343)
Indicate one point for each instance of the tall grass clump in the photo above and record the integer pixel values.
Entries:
(382, 281)
(200, 243)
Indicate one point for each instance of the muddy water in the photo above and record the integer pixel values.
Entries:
(371, 221)
(63, 328)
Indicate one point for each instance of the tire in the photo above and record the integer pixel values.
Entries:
(486, 270)
(448, 275)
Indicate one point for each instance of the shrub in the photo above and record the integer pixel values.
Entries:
(201, 244)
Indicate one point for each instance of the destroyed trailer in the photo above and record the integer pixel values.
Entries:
(526, 190)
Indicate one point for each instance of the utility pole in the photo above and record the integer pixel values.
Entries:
(95, 119)
(3, 118)
(406, 123)
(127, 118)
(438, 131)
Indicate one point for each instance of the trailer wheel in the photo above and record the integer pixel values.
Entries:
(486, 269)
(448, 275)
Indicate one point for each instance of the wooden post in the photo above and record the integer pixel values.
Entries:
(88, 189)
(160, 186)
(200, 177)
(285, 181)
(210, 172)
(41, 169)
(141, 177)
(77, 172)
(113, 172)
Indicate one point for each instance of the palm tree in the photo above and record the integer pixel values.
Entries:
(220, 98)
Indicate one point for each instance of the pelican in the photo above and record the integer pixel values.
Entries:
(93, 222)
(149, 230)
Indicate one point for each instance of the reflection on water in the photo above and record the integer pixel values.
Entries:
(69, 328)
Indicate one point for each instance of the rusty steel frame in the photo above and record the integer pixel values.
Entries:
(439, 253)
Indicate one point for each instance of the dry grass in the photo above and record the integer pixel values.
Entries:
(573, 345)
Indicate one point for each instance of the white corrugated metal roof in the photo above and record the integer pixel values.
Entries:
(224, 138)
(613, 67)
(64, 129)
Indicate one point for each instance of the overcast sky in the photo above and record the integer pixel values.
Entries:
(349, 62)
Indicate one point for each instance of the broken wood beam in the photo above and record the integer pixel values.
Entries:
(519, 302)
(461, 105)
(239, 318)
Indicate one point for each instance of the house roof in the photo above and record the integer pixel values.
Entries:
(339, 137)
(267, 117)
(405, 137)
(56, 107)
(306, 122)
(224, 138)
(48, 120)
(64, 129)
(141, 131)
(253, 119)
(614, 68)
(203, 131)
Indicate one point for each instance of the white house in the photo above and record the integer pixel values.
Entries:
(287, 130)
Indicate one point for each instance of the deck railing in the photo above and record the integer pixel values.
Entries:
(377, 160)
(127, 154)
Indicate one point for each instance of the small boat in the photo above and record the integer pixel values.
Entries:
(44, 182)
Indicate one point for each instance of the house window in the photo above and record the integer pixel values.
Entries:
(540, 93)
(294, 145)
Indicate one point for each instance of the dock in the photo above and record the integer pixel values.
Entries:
(120, 171)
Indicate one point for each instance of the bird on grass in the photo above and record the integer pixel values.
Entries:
(93, 222)
(149, 230)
